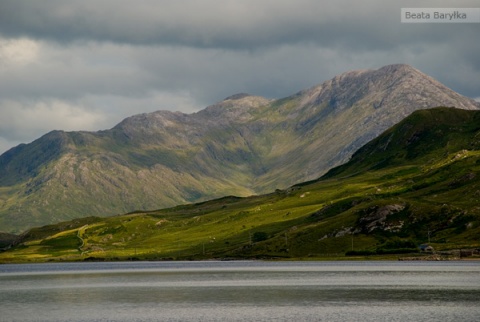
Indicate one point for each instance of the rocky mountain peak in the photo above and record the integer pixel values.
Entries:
(243, 100)
(400, 84)
(153, 120)
(398, 68)
(233, 108)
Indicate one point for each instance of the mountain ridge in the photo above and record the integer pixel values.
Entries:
(243, 145)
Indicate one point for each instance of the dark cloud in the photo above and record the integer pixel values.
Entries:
(88, 64)
(228, 24)
(207, 24)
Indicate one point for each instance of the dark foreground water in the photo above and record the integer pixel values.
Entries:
(241, 291)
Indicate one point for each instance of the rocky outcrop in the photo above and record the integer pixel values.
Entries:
(376, 218)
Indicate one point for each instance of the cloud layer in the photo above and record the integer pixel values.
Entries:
(85, 65)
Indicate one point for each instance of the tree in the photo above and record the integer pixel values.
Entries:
(259, 236)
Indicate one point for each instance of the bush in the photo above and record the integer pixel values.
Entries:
(259, 236)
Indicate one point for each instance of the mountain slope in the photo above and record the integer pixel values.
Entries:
(419, 137)
(243, 145)
(416, 198)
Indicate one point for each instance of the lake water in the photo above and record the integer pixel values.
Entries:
(241, 291)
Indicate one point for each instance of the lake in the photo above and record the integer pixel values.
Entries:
(241, 291)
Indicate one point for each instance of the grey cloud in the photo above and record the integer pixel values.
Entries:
(72, 72)
(22, 120)
(212, 24)
(216, 24)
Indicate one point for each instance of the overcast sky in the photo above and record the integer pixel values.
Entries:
(86, 65)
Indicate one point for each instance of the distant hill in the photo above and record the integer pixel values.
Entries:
(243, 145)
(417, 183)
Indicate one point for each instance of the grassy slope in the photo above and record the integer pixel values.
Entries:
(419, 179)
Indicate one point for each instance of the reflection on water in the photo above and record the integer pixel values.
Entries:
(241, 291)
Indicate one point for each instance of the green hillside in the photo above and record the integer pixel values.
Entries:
(416, 183)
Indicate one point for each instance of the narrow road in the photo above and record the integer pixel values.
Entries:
(79, 235)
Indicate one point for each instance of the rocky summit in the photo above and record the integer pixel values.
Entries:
(240, 146)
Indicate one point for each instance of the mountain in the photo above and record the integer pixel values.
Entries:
(243, 145)
(418, 182)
